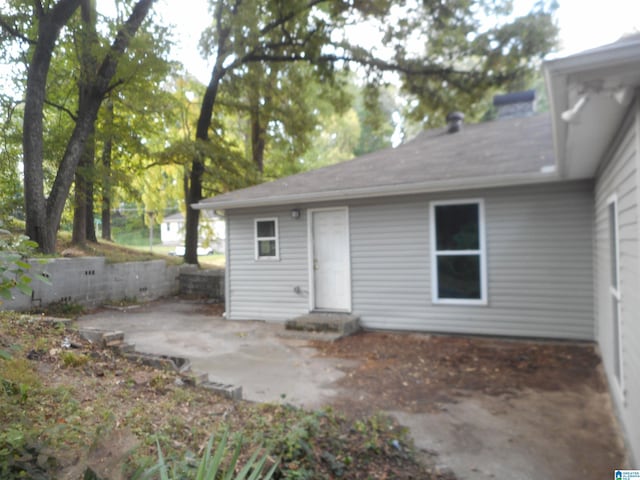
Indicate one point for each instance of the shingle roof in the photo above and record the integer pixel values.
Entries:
(509, 151)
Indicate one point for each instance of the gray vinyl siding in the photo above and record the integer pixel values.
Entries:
(264, 289)
(539, 264)
(619, 177)
(539, 268)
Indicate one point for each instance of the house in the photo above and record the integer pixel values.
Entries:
(526, 226)
(211, 232)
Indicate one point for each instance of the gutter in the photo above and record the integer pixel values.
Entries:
(380, 191)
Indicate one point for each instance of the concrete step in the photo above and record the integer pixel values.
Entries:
(310, 335)
(342, 324)
(113, 337)
(126, 348)
(229, 391)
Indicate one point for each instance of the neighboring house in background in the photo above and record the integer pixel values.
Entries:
(524, 226)
(211, 231)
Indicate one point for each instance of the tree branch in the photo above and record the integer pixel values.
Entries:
(61, 108)
(14, 32)
(290, 16)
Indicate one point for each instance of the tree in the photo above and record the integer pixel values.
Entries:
(456, 57)
(43, 214)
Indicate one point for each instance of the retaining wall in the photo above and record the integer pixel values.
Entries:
(91, 281)
(202, 283)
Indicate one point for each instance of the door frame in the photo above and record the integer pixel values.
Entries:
(310, 250)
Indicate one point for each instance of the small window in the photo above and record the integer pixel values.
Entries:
(266, 238)
(458, 259)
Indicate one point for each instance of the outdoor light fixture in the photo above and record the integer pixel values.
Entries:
(295, 213)
(571, 115)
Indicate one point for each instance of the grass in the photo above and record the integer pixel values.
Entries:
(118, 253)
(217, 260)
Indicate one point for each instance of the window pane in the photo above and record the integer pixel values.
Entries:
(459, 276)
(617, 370)
(457, 227)
(266, 228)
(266, 248)
(613, 245)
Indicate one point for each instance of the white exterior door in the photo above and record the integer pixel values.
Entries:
(329, 261)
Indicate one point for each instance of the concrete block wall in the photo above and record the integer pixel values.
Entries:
(91, 281)
(202, 283)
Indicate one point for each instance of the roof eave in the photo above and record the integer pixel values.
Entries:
(379, 191)
(558, 75)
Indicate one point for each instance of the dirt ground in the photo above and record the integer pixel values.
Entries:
(495, 402)
(417, 373)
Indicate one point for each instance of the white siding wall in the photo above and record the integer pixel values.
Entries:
(619, 177)
(264, 289)
(539, 252)
(538, 264)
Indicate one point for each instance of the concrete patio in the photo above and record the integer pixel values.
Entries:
(534, 436)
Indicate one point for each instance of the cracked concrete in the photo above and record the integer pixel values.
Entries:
(249, 354)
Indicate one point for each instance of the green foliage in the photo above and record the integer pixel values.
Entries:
(14, 270)
(20, 447)
(73, 360)
(473, 49)
(64, 309)
(215, 465)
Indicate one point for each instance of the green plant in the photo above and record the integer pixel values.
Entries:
(71, 359)
(14, 249)
(212, 465)
(62, 309)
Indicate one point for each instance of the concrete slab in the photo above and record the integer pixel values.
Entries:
(534, 436)
(520, 438)
(249, 354)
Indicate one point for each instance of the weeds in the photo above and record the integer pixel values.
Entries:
(64, 309)
(215, 465)
(73, 360)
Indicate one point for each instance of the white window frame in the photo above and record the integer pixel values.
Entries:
(481, 252)
(615, 291)
(257, 239)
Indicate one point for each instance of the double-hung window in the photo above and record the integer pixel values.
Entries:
(614, 288)
(266, 239)
(458, 263)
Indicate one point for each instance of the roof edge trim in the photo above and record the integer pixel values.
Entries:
(385, 191)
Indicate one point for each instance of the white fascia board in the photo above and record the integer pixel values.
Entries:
(558, 74)
(381, 191)
(558, 103)
(607, 56)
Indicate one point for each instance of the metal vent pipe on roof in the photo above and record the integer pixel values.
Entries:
(454, 122)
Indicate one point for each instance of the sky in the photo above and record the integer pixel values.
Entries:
(583, 24)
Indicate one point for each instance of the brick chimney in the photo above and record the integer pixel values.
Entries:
(517, 104)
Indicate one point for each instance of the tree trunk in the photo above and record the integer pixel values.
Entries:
(257, 138)
(79, 234)
(89, 212)
(38, 227)
(83, 222)
(106, 176)
(194, 193)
